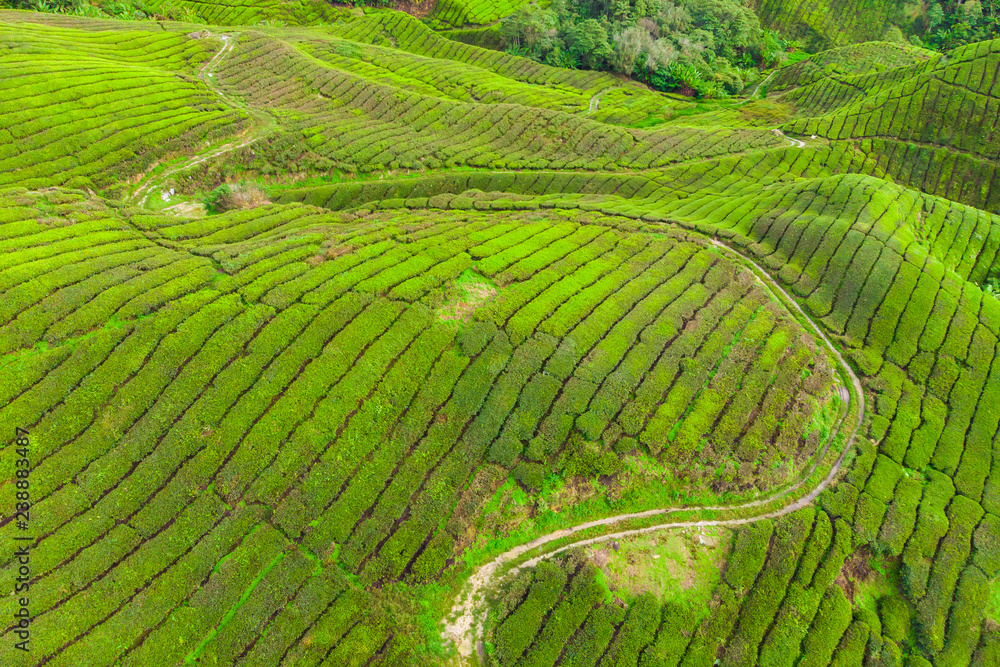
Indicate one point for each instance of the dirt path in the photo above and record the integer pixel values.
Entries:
(797, 143)
(141, 194)
(594, 101)
(469, 613)
(752, 95)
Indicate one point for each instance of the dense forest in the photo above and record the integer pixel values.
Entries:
(701, 47)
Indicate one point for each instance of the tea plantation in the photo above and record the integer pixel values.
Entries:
(326, 339)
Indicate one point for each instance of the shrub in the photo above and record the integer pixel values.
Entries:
(815, 548)
(832, 619)
(235, 197)
(762, 602)
(749, 551)
(587, 645)
(933, 608)
(713, 630)
(517, 631)
(840, 502)
(636, 632)
(901, 516)
(986, 543)
(531, 475)
(672, 638)
(932, 524)
(833, 561)
(852, 646)
(965, 618)
(894, 614)
(868, 514)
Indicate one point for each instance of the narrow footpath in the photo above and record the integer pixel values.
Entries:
(469, 612)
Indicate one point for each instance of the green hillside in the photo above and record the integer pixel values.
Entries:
(334, 341)
(929, 122)
(460, 13)
(87, 109)
(826, 24)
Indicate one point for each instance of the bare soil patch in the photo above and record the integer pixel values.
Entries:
(417, 9)
(475, 296)
(855, 572)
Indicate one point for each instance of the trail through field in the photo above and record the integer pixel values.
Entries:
(595, 100)
(751, 95)
(469, 611)
(265, 125)
(797, 143)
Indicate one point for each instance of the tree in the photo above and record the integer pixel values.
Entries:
(530, 28)
(701, 46)
(673, 18)
(734, 27)
(588, 41)
(630, 44)
(935, 16)
(971, 11)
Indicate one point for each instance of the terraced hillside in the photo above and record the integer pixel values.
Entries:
(440, 399)
(246, 12)
(92, 110)
(824, 24)
(929, 121)
(461, 13)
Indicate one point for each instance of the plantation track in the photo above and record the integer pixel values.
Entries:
(153, 180)
(595, 101)
(752, 94)
(259, 437)
(468, 612)
(795, 143)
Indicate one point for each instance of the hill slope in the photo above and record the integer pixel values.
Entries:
(483, 316)
(87, 111)
(823, 24)
(930, 122)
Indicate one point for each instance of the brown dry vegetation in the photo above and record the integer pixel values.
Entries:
(475, 296)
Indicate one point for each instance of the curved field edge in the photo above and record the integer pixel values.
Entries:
(464, 623)
(921, 250)
(923, 344)
(241, 247)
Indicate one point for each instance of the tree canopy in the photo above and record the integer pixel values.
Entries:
(701, 47)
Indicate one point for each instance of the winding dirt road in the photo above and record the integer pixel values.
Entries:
(141, 194)
(796, 143)
(469, 611)
(595, 100)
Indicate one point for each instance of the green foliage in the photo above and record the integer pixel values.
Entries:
(517, 631)
(964, 628)
(263, 12)
(986, 544)
(636, 633)
(704, 46)
(259, 434)
(933, 608)
(749, 552)
(234, 197)
(852, 646)
(894, 614)
(825, 25)
(125, 11)
(832, 619)
(671, 638)
(460, 13)
(947, 26)
(764, 598)
(138, 120)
